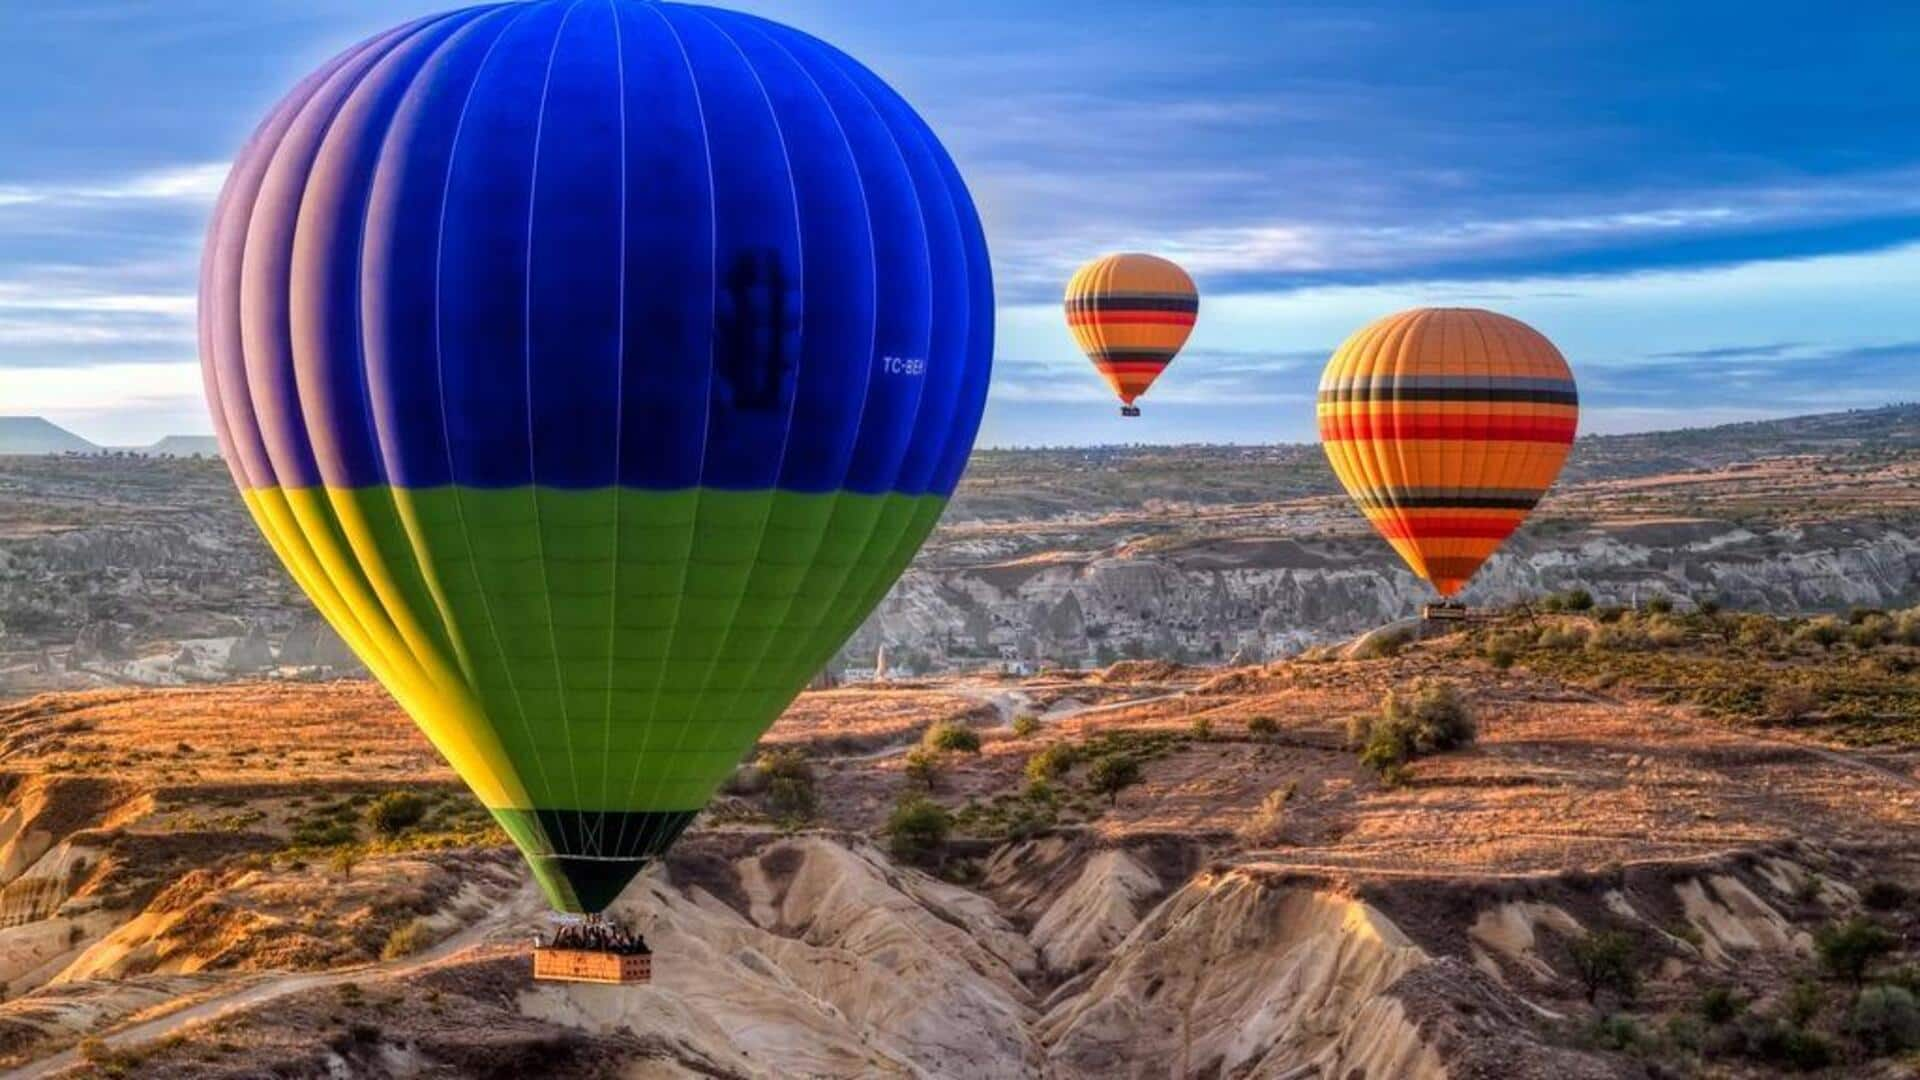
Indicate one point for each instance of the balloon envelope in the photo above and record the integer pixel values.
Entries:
(1447, 425)
(1131, 314)
(595, 369)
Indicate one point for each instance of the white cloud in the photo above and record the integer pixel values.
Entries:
(198, 183)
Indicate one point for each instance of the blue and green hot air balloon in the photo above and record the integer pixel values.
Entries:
(595, 366)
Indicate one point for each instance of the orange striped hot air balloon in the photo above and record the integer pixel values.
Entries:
(1131, 313)
(1447, 425)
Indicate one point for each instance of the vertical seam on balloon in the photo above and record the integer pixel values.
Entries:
(349, 612)
(786, 433)
(416, 542)
(533, 457)
(713, 285)
(1462, 549)
(440, 362)
(394, 607)
(974, 246)
(861, 605)
(619, 411)
(758, 669)
(876, 590)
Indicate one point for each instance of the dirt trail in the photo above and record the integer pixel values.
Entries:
(522, 906)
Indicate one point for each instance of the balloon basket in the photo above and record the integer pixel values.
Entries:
(591, 966)
(592, 949)
(1444, 612)
(1129, 410)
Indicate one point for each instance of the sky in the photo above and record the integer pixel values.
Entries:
(1712, 208)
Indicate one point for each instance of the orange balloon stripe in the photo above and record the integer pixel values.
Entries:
(1123, 318)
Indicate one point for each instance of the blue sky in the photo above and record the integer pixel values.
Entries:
(1713, 208)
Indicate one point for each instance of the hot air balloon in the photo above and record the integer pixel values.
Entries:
(1131, 313)
(1447, 425)
(595, 368)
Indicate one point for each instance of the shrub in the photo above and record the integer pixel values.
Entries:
(1847, 949)
(1426, 717)
(1202, 728)
(407, 940)
(1615, 1032)
(1870, 632)
(1025, 725)
(1719, 1004)
(1619, 637)
(918, 828)
(1884, 895)
(1568, 600)
(1263, 726)
(1885, 1019)
(1052, 762)
(1758, 632)
(790, 783)
(923, 767)
(1606, 962)
(1906, 627)
(396, 812)
(1774, 1043)
(950, 737)
(1563, 638)
(1269, 823)
(1658, 605)
(1708, 607)
(1113, 773)
(1501, 650)
(1825, 631)
(1803, 1001)
(1787, 703)
(343, 861)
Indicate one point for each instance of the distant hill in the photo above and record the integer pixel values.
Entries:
(184, 446)
(38, 435)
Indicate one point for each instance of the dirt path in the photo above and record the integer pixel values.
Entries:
(521, 906)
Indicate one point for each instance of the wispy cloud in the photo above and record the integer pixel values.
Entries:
(192, 184)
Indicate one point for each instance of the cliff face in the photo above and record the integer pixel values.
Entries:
(1263, 598)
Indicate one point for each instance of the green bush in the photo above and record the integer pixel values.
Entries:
(1501, 650)
(1568, 600)
(1784, 1045)
(789, 783)
(407, 940)
(1263, 726)
(1053, 762)
(1615, 1032)
(1885, 1019)
(1658, 605)
(1025, 725)
(1113, 773)
(1425, 717)
(396, 812)
(1847, 949)
(1719, 1005)
(917, 829)
(1803, 1001)
(950, 737)
(1565, 637)
(923, 767)
(1825, 632)
(1202, 728)
(1607, 961)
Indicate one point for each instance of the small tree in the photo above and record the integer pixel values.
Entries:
(923, 767)
(1052, 762)
(1112, 774)
(1847, 949)
(1885, 1019)
(1606, 962)
(949, 737)
(790, 783)
(396, 812)
(1025, 725)
(918, 828)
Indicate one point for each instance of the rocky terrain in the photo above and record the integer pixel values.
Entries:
(143, 570)
(1631, 867)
